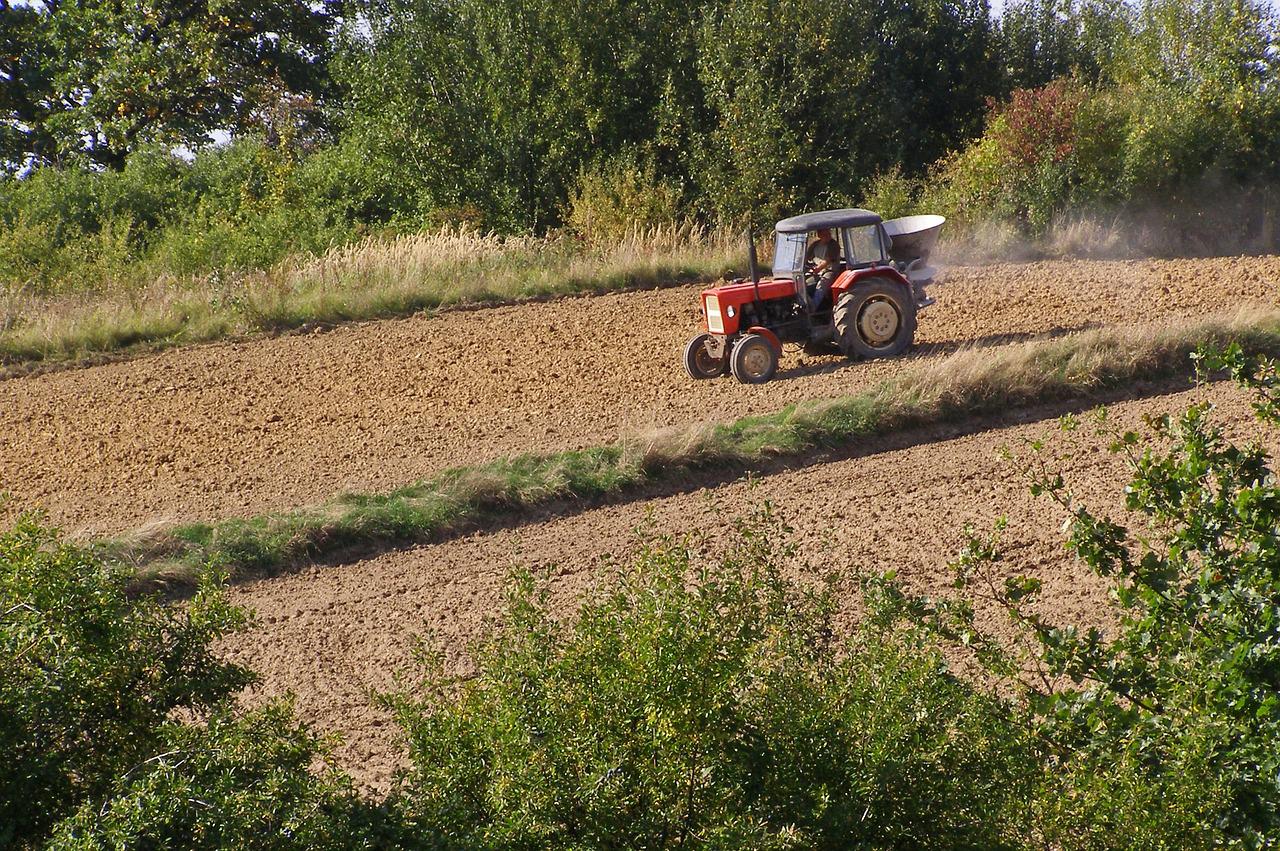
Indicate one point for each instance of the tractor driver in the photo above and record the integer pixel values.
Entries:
(824, 255)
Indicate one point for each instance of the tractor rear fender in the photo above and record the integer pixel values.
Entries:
(850, 278)
(768, 335)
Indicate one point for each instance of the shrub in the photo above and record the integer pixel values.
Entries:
(233, 782)
(704, 702)
(1024, 169)
(1165, 733)
(28, 256)
(91, 675)
(243, 206)
(891, 194)
(618, 198)
(967, 185)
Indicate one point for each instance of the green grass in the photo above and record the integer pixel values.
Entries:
(968, 383)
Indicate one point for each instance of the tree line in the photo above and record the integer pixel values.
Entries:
(496, 107)
(523, 116)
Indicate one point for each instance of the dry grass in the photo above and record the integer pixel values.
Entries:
(970, 382)
(375, 278)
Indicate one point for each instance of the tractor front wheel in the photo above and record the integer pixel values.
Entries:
(700, 363)
(875, 319)
(754, 360)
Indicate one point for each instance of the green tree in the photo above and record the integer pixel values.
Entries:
(810, 98)
(490, 110)
(1203, 78)
(101, 77)
(1043, 40)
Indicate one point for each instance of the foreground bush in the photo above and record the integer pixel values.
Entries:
(1165, 734)
(237, 783)
(705, 704)
(92, 750)
(90, 675)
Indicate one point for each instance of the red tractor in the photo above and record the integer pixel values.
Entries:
(856, 289)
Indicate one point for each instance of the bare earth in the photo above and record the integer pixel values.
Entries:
(334, 635)
(239, 428)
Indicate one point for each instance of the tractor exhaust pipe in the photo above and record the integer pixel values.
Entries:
(753, 265)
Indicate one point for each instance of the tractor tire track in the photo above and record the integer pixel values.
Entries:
(239, 428)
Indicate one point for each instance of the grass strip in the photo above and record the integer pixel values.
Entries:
(377, 278)
(970, 382)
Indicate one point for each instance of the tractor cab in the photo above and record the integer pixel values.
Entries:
(860, 237)
(858, 295)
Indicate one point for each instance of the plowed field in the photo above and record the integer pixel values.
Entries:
(238, 428)
(333, 635)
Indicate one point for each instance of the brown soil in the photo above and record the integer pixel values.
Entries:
(239, 428)
(333, 635)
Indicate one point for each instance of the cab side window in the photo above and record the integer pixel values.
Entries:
(864, 245)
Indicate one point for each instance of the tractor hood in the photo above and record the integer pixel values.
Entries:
(722, 305)
(741, 290)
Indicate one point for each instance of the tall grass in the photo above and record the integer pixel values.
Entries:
(375, 278)
(967, 383)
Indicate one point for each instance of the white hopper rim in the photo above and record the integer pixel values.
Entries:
(913, 224)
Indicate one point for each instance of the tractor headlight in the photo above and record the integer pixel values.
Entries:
(715, 322)
(730, 312)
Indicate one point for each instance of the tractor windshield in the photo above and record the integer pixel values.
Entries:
(788, 256)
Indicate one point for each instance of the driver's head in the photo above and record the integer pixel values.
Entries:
(823, 234)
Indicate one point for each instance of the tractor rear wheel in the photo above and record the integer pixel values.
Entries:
(875, 319)
(754, 360)
(700, 363)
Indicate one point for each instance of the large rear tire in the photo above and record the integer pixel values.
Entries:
(754, 360)
(700, 363)
(875, 319)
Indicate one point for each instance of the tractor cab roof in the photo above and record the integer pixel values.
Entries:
(850, 218)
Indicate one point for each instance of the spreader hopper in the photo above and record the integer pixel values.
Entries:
(912, 239)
